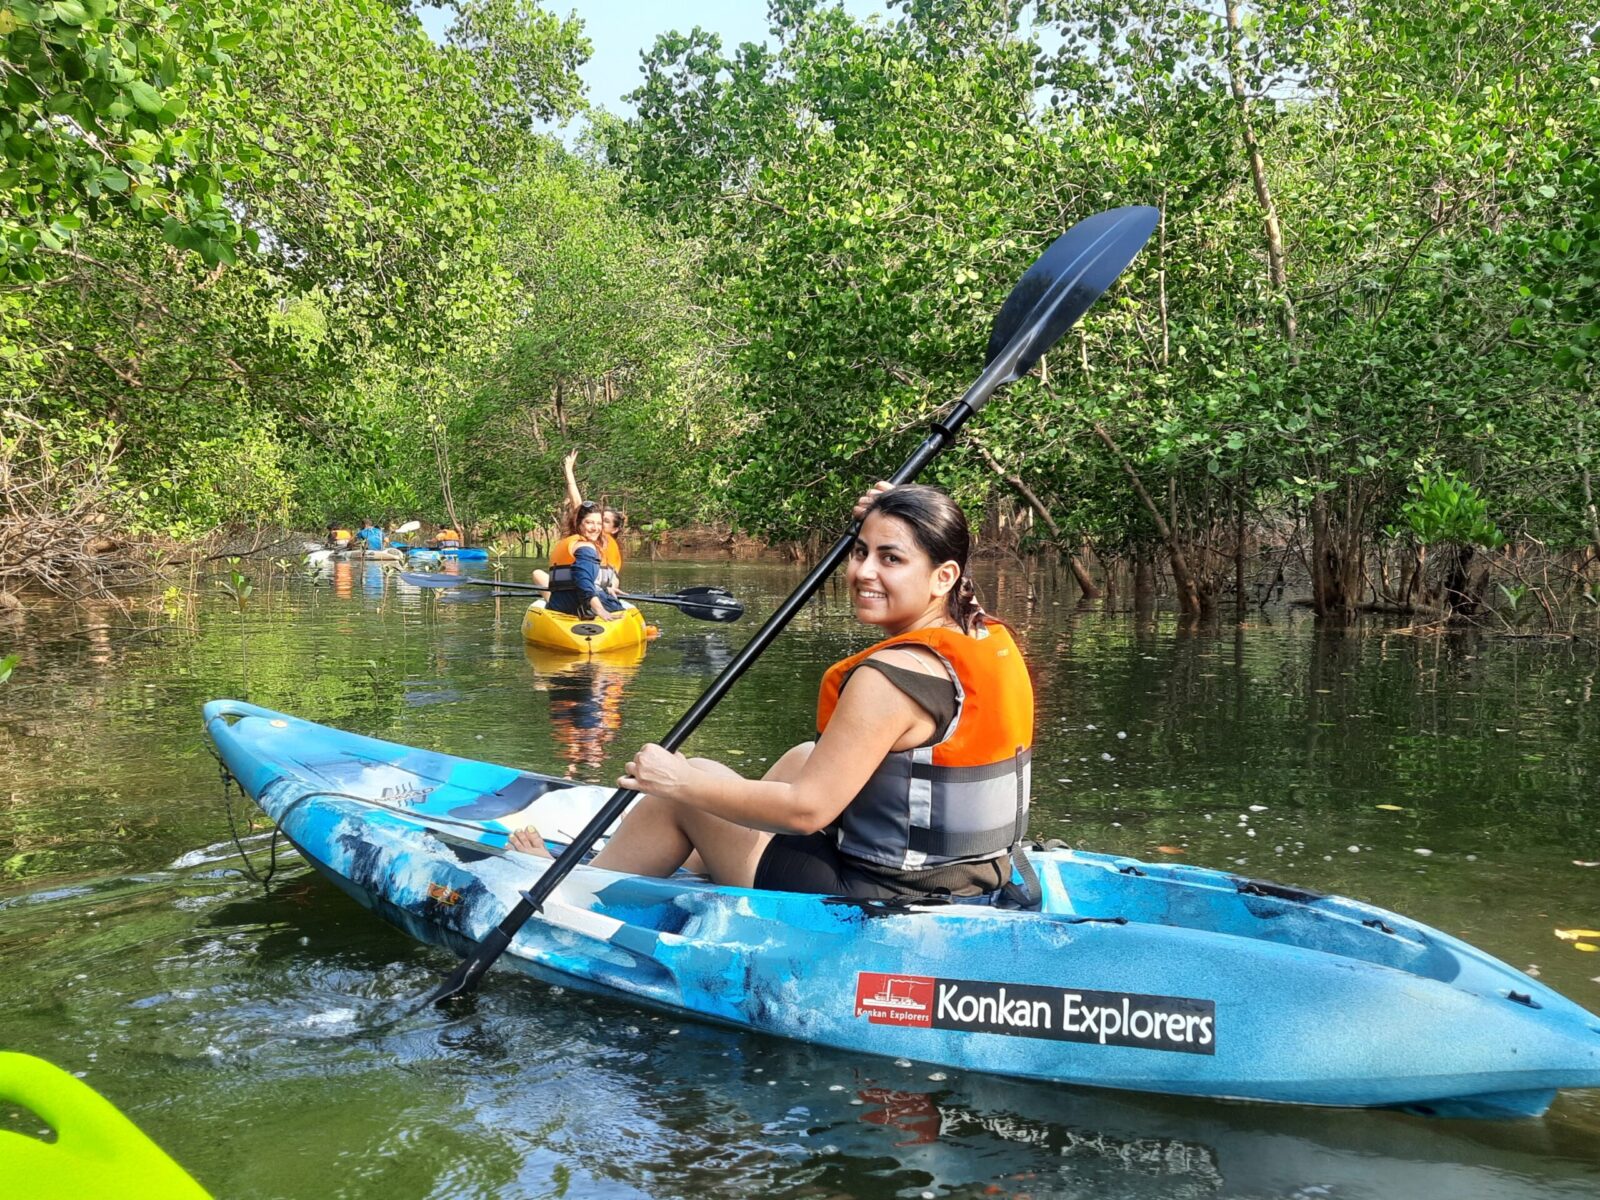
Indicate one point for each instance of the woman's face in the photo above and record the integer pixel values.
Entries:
(589, 528)
(610, 522)
(893, 582)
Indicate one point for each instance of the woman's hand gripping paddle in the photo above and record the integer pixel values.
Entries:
(1058, 289)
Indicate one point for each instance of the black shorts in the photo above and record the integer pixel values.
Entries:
(811, 863)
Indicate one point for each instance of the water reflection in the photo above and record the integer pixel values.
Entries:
(716, 1113)
(587, 695)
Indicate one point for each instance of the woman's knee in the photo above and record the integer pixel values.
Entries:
(789, 765)
(711, 766)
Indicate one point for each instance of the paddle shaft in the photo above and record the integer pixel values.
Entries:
(675, 601)
(466, 977)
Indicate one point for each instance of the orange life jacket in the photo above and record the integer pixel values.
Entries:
(611, 553)
(562, 557)
(964, 799)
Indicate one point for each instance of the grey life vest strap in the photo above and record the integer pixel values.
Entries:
(1022, 889)
(975, 844)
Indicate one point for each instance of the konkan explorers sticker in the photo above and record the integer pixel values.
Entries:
(1024, 1010)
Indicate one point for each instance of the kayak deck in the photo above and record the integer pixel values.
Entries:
(583, 635)
(1153, 977)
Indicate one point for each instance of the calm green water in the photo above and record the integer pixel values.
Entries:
(236, 1024)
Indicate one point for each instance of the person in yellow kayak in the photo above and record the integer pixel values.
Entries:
(918, 780)
(611, 522)
(576, 577)
(448, 539)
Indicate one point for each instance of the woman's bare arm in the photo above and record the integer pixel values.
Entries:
(873, 718)
(574, 496)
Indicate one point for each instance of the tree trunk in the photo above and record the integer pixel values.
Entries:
(1144, 582)
(1588, 490)
(441, 458)
(1079, 571)
(1182, 577)
(1238, 552)
(1277, 270)
(1459, 594)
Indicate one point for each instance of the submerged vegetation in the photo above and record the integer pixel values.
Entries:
(265, 261)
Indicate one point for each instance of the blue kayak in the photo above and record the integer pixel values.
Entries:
(1151, 977)
(460, 553)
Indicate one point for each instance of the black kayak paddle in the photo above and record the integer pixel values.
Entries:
(1058, 289)
(703, 603)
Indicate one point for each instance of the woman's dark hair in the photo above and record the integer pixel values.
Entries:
(617, 515)
(579, 513)
(940, 530)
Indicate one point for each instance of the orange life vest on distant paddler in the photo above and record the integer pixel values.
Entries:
(562, 557)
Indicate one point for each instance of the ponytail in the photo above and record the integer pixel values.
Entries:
(962, 605)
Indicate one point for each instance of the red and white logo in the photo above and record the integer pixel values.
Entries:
(895, 999)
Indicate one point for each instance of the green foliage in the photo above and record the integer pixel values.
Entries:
(223, 347)
(291, 259)
(870, 190)
(7, 665)
(97, 125)
(1444, 508)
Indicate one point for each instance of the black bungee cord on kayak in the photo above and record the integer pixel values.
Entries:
(228, 782)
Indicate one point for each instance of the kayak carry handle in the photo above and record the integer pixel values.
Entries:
(97, 1151)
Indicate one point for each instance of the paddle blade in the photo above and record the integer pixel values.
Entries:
(1064, 284)
(710, 604)
(408, 527)
(433, 579)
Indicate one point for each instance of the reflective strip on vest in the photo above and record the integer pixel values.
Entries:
(912, 814)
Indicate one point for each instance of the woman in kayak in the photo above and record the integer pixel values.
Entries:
(577, 574)
(611, 521)
(918, 780)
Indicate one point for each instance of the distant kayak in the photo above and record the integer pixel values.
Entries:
(584, 635)
(460, 554)
(1142, 976)
(318, 557)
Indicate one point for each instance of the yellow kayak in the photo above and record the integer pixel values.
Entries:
(584, 635)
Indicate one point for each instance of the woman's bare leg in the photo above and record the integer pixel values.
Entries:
(658, 836)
